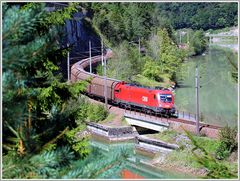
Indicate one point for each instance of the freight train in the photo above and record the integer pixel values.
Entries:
(157, 100)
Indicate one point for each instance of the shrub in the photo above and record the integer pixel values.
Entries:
(152, 70)
(77, 109)
(96, 113)
(79, 145)
(228, 141)
(215, 168)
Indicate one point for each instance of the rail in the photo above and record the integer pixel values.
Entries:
(178, 114)
(164, 118)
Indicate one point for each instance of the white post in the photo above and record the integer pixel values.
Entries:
(197, 101)
(102, 50)
(180, 37)
(105, 83)
(90, 56)
(68, 64)
(139, 49)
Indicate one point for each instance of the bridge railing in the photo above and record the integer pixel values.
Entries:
(146, 113)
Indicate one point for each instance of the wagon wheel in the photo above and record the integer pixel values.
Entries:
(145, 110)
(127, 106)
(149, 111)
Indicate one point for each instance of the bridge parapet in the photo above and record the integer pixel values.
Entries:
(147, 121)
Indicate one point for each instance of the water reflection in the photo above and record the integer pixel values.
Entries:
(135, 166)
(218, 94)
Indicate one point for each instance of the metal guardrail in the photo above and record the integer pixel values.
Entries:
(178, 114)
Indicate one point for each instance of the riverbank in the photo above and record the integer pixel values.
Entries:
(180, 160)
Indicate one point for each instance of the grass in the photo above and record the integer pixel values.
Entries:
(124, 122)
(167, 136)
(110, 117)
(184, 156)
(152, 83)
(170, 136)
(209, 144)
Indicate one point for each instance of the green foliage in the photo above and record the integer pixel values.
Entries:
(79, 145)
(198, 42)
(165, 53)
(44, 165)
(152, 70)
(53, 18)
(97, 164)
(125, 63)
(123, 21)
(35, 102)
(96, 113)
(51, 147)
(77, 109)
(60, 163)
(100, 70)
(161, 62)
(60, 16)
(216, 169)
(210, 15)
(229, 144)
(142, 80)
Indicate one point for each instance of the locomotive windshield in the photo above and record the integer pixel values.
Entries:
(165, 97)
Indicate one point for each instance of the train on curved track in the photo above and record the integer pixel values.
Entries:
(158, 100)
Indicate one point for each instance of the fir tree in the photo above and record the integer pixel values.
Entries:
(34, 98)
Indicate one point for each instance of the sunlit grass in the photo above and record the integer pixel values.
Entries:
(152, 83)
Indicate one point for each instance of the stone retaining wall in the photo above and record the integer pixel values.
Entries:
(111, 133)
(153, 145)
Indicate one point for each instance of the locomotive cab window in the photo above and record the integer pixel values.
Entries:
(165, 97)
(155, 97)
(117, 90)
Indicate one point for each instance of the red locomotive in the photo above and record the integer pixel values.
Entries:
(124, 94)
(158, 100)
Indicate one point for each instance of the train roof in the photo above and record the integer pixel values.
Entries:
(145, 87)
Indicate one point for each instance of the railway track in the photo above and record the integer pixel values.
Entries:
(185, 120)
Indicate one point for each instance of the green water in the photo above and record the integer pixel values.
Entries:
(219, 93)
(134, 163)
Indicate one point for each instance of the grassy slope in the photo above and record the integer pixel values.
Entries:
(183, 158)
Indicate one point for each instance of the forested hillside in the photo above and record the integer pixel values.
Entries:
(128, 21)
(199, 15)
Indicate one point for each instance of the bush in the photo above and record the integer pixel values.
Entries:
(152, 70)
(96, 113)
(79, 145)
(198, 42)
(77, 109)
(228, 143)
(215, 169)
